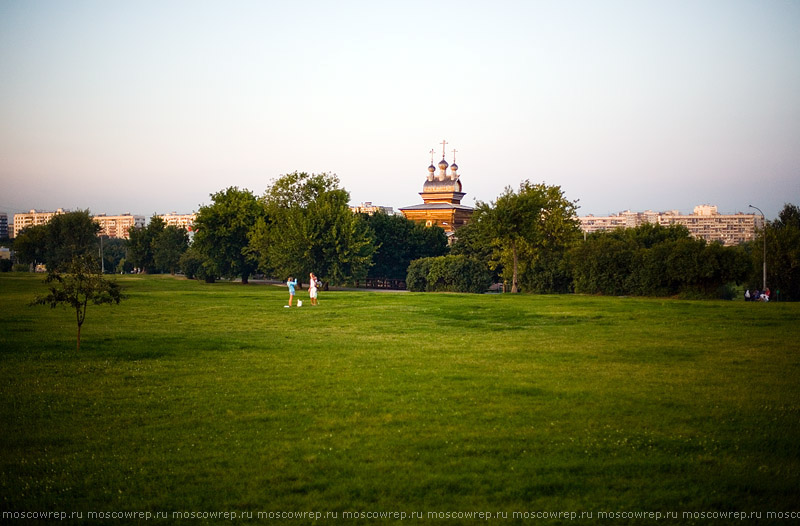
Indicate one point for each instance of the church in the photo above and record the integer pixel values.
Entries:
(441, 198)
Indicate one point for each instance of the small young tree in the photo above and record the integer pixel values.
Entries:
(78, 284)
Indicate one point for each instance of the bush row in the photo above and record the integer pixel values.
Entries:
(448, 274)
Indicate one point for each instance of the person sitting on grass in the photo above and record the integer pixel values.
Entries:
(291, 283)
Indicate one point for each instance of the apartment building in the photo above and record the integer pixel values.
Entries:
(705, 223)
(369, 209)
(3, 225)
(33, 218)
(111, 226)
(118, 226)
(185, 221)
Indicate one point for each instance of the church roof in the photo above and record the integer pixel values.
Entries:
(448, 185)
(436, 206)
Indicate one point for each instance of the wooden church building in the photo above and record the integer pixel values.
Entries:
(441, 198)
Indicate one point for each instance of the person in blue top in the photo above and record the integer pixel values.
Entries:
(291, 283)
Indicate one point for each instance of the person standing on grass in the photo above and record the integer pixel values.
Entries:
(291, 283)
(312, 288)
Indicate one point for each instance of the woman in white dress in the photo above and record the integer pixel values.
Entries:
(312, 288)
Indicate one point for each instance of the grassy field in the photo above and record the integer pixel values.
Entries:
(194, 397)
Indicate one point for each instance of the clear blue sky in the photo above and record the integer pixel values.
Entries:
(150, 106)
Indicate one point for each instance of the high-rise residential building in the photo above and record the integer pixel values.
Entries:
(33, 218)
(118, 226)
(185, 221)
(3, 225)
(111, 226)
(705, 223)
(441, 196)
(369, 209)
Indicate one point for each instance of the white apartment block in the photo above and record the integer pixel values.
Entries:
(118, 226)
(705, 223)
(111, 226)
(185, 221)
(369, 209)
(33, 218)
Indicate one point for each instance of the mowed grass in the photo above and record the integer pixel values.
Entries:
(189, 396)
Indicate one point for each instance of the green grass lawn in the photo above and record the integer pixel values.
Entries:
(196, 397)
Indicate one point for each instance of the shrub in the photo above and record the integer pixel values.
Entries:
(417, 274)
(548, 272)
(448, 274)
(193, 264)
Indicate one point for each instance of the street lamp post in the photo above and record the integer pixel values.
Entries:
(764, 235)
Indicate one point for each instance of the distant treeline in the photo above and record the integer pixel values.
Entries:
(528, 240)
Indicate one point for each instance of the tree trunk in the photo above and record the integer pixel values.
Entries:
(514, 289)
(80, 314)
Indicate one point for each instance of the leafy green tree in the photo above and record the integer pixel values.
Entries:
(195, 264)
(537, 215)
(57, 242)
(123, 267)
(652, 260)
(309, 227)
(601, 265)
(76, 285)
(223, 230)
(399, 241)
(474, 242)
(545, 271)
(339, 245)
(299, 189)
(29, 245)
(68, 236)
(141, 245)
(114, 251)
(168, 247)
(783, 254)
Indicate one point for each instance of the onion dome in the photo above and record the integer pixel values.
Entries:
(441, 186)
(437, 186)
(443, 165)
(431, 168)
(454, 167)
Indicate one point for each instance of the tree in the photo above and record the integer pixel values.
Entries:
(141, 245)
(651, 260)
(339, 245)
(538, 216)
(70, 235)
(168, 247)
(195, 264)
(308, 227)
(58, 241)
(601, 265)
(29, 245)
(398, 241)
(223, 230)
(114, 251)
(474, 242)
(76, 285)
(299, 189)
(783, 254)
